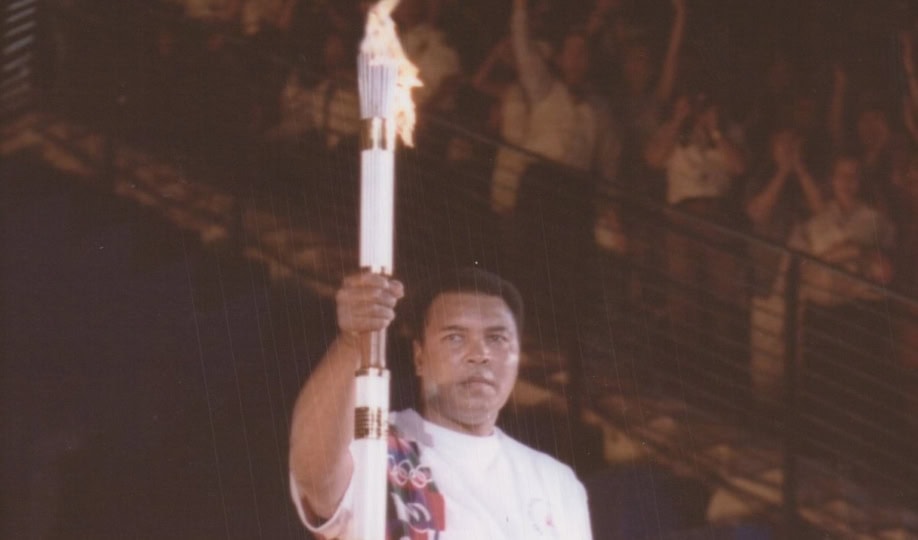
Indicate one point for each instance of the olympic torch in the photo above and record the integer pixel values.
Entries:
(385, 79)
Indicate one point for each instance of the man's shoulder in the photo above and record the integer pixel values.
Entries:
(538, 460)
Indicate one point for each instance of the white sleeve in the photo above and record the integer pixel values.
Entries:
(533, 73)
(334, 527)
(579, 510)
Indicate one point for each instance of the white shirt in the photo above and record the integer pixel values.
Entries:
(494, 488)
(559, 126)
(541, 116)
(563, 129)
(696, 171)
(863, 226)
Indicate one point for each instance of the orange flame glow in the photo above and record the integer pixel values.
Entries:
(381, 44)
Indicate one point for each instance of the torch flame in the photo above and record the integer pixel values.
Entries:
(381, 44)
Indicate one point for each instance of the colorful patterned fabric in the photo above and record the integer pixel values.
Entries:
(416, 509)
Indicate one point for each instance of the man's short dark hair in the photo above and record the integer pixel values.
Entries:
(463, 280)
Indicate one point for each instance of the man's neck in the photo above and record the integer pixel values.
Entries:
(484, 429)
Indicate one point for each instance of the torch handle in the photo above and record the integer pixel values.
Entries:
(373, 350)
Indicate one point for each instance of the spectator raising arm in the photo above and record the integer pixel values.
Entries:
(323, 417)
(534, 75)
(664, 90)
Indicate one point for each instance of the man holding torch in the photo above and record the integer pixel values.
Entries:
(359, 473)
(451, 473)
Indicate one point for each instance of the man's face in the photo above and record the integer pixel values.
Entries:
(468, 361)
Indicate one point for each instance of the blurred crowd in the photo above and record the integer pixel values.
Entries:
(803, 134)
(796, 122)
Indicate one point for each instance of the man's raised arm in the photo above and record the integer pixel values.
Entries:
(532, 69)
(323, 417)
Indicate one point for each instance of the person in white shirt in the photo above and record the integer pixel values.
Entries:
(848, 233)
(552, 204)
(702, 156)
(562, 120)
(851, 385)
(453, 475)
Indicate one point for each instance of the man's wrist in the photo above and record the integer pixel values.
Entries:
(349, 339)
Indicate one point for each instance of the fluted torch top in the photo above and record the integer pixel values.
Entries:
(385, 75)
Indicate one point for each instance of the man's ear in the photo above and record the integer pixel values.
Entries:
(418, 358)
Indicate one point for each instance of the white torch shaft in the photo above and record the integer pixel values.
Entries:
(377, 78)
(377, 210)
(385, 78)
(370, 454)
(377, 202)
